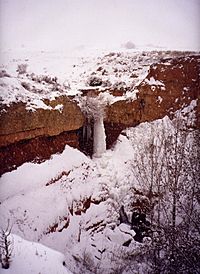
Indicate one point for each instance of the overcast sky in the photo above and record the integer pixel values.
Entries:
(61, 24)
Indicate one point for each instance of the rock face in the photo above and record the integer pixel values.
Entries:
(35, 135)
(36, 149)
(169, 86)
(26, 135)
(17, 123)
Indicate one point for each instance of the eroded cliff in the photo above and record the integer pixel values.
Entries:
(169, 86)
(28, 134)
(18, 123)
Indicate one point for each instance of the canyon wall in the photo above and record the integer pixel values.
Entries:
(35, 135)
(18, 123)
(27, 135)
(169, 86)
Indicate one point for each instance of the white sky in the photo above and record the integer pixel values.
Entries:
(62, 24)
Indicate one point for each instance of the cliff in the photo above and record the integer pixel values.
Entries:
(32, 131)
(34, 135)
(169, 86)
(18, 123)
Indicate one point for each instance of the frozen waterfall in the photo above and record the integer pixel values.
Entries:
(99, 143)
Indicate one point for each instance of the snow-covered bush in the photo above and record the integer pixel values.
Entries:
(94, 81)
(22, 68)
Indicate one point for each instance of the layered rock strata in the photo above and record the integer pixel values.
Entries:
(18, 123)
(27, 135)
(35, 135)
(169, 86)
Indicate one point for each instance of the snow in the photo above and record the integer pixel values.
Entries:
(125, 69)
(160, 99)
(120, 234)
(37, 175)
(12, 91)
(188, 113)
(153, 82)
(59, 107)
(29, 257)
(190, 107)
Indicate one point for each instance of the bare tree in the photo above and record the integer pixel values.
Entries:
(168, 171)
(6, 246)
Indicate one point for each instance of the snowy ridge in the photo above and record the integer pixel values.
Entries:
(37, 175)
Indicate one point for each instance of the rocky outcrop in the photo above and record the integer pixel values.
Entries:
(168, 87)
(35, 150)
(34, 135)
(18, 123)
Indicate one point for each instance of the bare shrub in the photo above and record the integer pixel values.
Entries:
(6, 246)
(169, 166)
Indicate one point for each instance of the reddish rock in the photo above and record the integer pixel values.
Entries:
(112, 132)
(178, 85)
(37, 150)
(17, 123)
(117, 92)
(34, 136)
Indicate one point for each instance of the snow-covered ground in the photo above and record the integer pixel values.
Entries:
(71, 204)
(50, 74)
(42, 202)
(33, 76)
(30, 257)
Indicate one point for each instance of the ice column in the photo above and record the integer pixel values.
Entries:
(99, 142)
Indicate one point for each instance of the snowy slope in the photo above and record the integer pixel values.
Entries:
(37, 175)
(71, 203)
(29, 257)
(39, 208)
